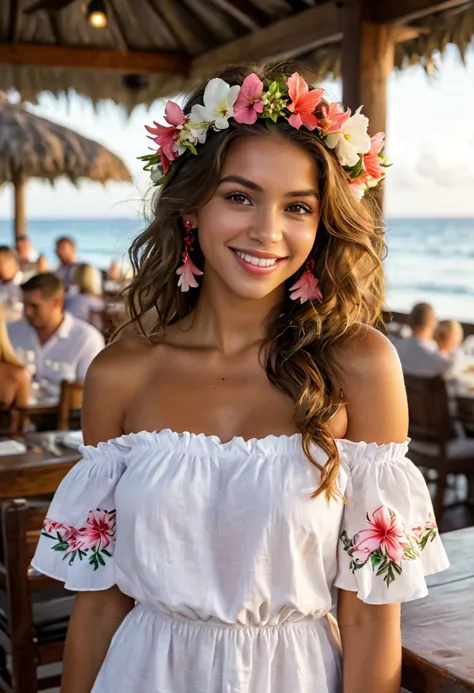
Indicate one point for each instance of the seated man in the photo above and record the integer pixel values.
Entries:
(419, 354)
(63, 346)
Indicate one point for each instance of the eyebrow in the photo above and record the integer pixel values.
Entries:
(254, 186)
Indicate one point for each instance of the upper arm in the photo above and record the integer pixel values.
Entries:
(23, 392)
(371, 376)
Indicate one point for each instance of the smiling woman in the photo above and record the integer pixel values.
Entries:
(256, 428)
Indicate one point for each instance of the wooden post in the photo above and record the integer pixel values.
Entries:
(19, 185)
(367, 61)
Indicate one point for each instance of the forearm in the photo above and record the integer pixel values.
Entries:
(372, 658)
(91, 629)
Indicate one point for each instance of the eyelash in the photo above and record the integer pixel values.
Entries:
(232, 197)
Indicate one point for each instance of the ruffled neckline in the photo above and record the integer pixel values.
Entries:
(205, 444)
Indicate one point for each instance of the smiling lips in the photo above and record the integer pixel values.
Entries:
(263, 263)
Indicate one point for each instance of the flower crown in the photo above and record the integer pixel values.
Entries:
(289, 98)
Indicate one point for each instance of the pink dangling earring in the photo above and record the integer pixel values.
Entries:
(307, 286)
(188, 269)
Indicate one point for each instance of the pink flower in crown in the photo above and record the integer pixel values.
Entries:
(249, 103)
(386, 535)
(358, 186)
(332, 117)
(372, 160)
(187, 272)
(99, 529)
(306, 288)
(166, 137)
(303, 103)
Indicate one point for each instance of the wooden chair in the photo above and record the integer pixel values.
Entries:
(34, 609)
(434, 444)
(70, 401)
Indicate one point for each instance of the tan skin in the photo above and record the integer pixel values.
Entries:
(212, 357)
(15, 386)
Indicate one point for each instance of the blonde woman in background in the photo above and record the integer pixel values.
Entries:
(14, 378)
(449, 335)
(89, 295)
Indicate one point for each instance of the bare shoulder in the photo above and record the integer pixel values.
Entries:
(112, 380)
(371, 377)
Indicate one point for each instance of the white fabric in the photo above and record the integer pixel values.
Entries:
(65, 356)
(230, 560)
(421, 357)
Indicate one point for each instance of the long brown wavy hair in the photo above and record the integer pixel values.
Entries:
(300, 339)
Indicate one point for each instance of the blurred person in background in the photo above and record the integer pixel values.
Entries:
(27, 257)
(419, 353)
(449, 336)
(63, 346)
(14, 377)
(86, 300)
(42, 264)
(114, 273)
(66, 253)
(10, 277)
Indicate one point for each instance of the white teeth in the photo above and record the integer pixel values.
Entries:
(258, 261)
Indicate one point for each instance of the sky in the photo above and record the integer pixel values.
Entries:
(430, 140)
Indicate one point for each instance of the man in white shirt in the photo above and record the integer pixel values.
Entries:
(62, 346)
(419, 354)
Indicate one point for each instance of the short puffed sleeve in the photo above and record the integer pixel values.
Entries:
(388, 540)
(77, 541)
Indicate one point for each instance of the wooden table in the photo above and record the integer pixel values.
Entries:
(36, 472)
(438, 632)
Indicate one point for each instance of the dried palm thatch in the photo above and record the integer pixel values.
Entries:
(33, 147)
(190, 28)
(436, 32)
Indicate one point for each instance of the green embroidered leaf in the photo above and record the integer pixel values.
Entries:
(397, 568)
(376, 558)
(107, 553)
(390, 577)
(100, 559)
(73, 556)
(61, 546)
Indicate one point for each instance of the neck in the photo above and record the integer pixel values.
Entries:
(227, 322)
(46, 332)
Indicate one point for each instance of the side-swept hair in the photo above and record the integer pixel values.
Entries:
(47, 283)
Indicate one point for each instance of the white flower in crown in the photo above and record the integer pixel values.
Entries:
(156, 173)
(351, 140)
(193, 133)
(219, 99)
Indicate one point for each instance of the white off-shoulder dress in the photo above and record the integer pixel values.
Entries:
(230, 561)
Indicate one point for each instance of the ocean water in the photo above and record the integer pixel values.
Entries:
(428, 259)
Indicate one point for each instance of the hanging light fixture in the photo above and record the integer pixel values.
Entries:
(96, 13)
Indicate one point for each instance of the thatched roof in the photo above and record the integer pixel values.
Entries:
(32, 147)
(152, 48)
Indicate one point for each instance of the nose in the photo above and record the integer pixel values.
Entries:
(267, 226)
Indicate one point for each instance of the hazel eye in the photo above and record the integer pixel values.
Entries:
(299, 208)
(238, 198)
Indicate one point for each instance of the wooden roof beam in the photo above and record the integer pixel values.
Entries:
(291, 36)
(402, 11)
(94, 59)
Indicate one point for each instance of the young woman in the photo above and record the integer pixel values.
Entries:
(14, 378)
(257, 435)
(87, 298)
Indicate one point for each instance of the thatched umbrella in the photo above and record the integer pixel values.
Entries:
(33, 147)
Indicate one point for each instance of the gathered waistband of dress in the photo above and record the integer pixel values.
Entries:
(211, 622)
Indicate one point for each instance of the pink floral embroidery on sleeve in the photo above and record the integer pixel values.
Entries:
(387, 544)
(91, 541)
